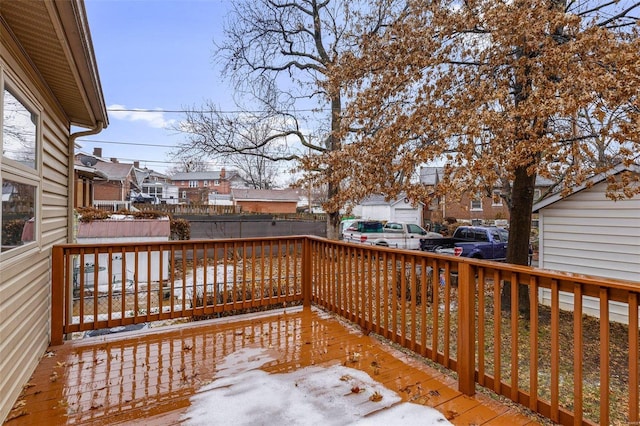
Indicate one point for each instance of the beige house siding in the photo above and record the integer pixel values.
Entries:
(587, 233)
(51, 83)
(25, 278)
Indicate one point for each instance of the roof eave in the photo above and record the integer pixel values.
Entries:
(74, 23)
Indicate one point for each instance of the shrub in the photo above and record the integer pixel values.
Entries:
(180, 229)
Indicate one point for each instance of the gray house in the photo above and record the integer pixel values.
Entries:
(587, 233)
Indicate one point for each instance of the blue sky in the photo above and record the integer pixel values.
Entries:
(154, 55)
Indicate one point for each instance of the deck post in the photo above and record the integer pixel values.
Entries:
(306, 272)
(57, 295)
(466, 329)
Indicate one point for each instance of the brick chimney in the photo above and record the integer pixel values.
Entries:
(114, 160)
(136, 164)
(222, 173)
(97, 152)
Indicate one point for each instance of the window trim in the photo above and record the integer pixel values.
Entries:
(493, 202)
(475, 209)
(13, 170)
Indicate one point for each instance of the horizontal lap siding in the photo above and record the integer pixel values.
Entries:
(25, 295)
(589, 234)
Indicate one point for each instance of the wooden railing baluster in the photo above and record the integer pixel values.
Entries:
(634, 359)
(604, 356)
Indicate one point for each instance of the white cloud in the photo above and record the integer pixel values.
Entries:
(154, 119)
(242, 394)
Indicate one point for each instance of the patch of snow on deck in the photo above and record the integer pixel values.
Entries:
(242, 394)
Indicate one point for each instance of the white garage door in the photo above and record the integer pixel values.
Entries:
(408, 216)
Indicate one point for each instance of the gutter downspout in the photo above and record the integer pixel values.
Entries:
(72, 183)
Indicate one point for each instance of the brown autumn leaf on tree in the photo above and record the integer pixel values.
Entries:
(500, 92)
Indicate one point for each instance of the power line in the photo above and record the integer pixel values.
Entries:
(159, 162)
(125, 143)
(206, 111)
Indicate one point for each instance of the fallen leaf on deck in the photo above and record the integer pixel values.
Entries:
(376, 397)
(21, 403)
(356, 389)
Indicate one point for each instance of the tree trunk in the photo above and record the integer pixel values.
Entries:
(519, 234)
(335, 144)
(333, 218)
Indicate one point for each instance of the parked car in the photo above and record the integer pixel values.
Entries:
(479, 242)
(351, 226)
(390, 234)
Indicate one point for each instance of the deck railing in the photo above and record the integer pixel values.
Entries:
(463, 314)
(109, 285)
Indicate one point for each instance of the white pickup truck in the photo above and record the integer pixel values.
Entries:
(390, 234)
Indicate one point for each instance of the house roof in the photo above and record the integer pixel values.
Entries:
(588, 183)
(114, 171)
(88, 171)
(431, 175)
(379, 200)
(140, 175)
(212, 175)
(273, 195)
(55, 35)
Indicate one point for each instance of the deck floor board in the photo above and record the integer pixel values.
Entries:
(149, 376)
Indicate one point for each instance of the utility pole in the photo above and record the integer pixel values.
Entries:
(309, 195)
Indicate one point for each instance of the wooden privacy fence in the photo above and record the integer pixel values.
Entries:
(463, 314)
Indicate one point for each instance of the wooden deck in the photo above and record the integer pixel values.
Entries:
(150, 376)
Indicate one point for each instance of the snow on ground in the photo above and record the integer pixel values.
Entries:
(242, 394)
(223, 278)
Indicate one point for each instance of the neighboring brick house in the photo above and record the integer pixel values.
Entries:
(116, 180)
(120, 181)
(266, 200)
(469, 208)
(195, 187)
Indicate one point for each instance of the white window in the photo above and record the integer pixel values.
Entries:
(496, 199)
(19, 170)
(153, 190)
(193, 184)
(205, 183)
(476, 203)
(184, 194)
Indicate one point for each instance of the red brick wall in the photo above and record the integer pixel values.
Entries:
(462, 210)
(108, 191)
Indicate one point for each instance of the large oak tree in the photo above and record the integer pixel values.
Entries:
(502, 91)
